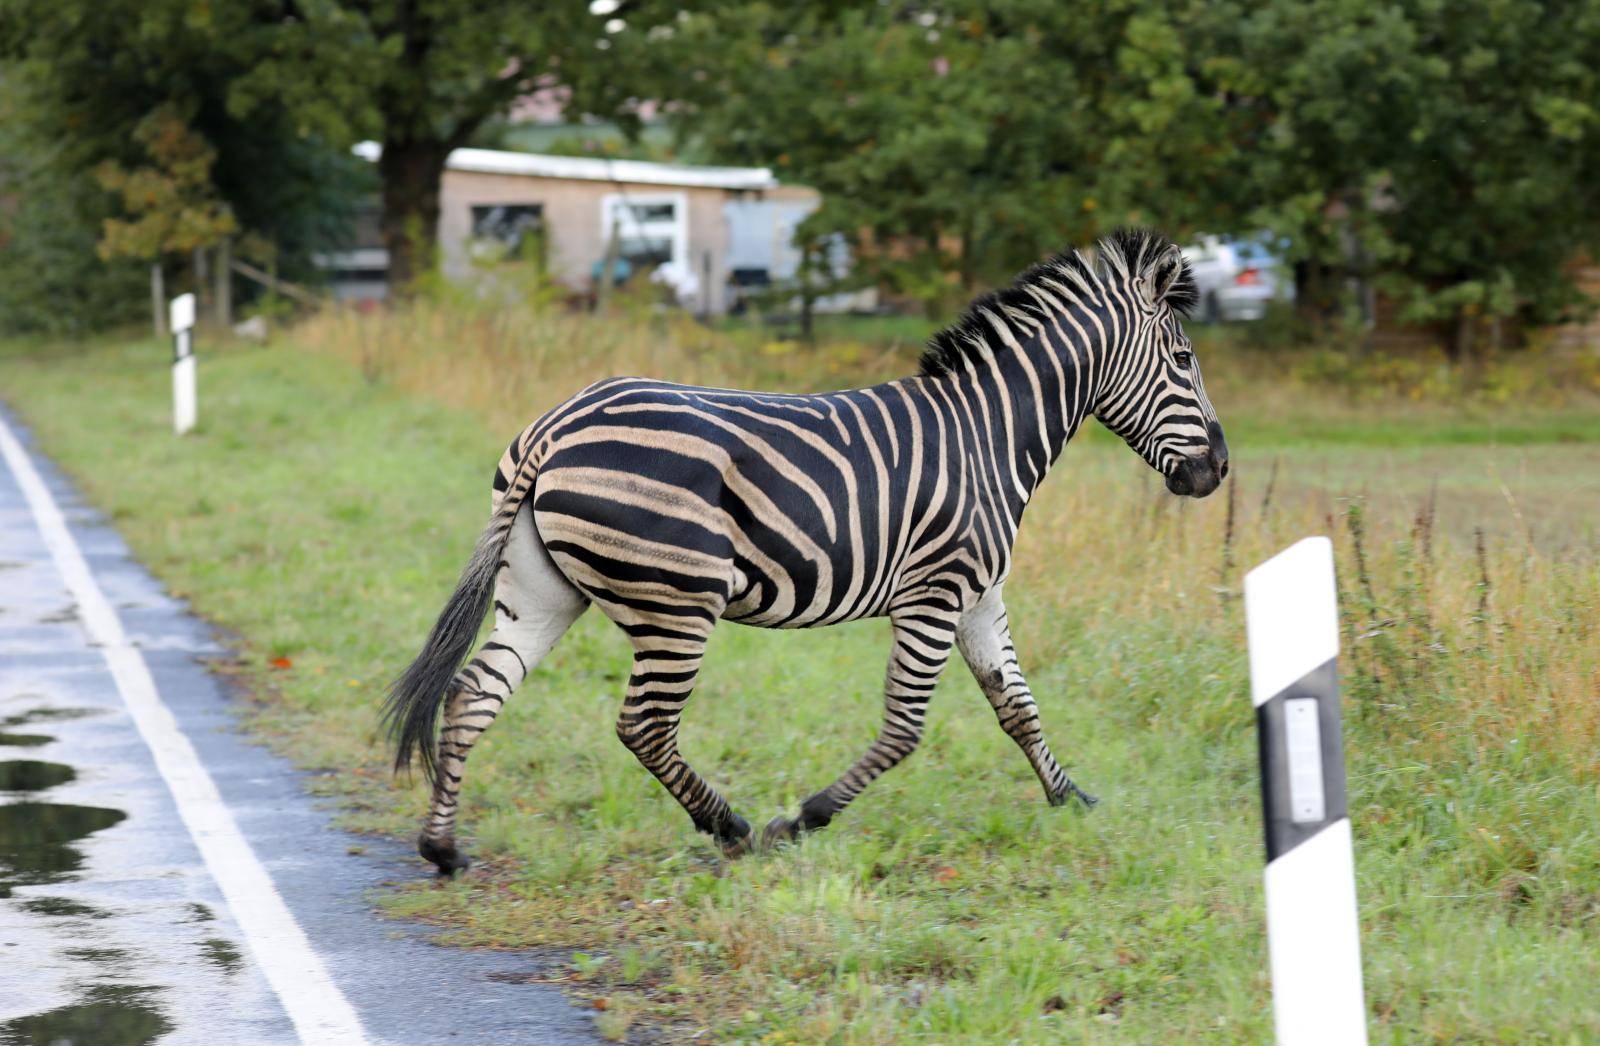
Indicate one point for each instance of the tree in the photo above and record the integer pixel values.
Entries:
(1444, 153)
(171, 201)
(80, 76)
(971, 137)
(422, 76)
(51, 279)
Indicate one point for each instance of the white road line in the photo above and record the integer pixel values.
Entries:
(319, 1010)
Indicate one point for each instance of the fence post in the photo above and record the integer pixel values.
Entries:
(1313, 933)
(183, 390)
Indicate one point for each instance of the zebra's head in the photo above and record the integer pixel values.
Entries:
(1150, 392)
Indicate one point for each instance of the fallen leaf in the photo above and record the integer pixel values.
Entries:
(282, 662)
(601, 1004)
(946, 873)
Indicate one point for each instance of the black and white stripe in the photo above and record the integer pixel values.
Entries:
(673, 507)
(1292, 616)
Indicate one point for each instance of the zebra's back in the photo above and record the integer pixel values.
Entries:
(776, 510)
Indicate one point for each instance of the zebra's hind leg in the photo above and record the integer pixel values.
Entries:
(666, 663)
(984, 637)
(922, 639)
(534, 605)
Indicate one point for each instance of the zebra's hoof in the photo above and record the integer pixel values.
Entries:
(733, 849)
(1074, 792)
(444, 856)
(780, 831)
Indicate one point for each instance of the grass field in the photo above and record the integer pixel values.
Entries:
(339, 478)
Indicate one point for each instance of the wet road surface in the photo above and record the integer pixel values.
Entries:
(113, 928)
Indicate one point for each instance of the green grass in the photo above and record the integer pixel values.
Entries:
(323, 518)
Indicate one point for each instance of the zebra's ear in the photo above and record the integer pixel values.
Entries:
(1166, 272)
(1167, 280)
(1156, 276)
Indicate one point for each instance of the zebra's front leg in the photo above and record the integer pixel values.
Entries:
(984, 637)
(922, 640)
(664, 674)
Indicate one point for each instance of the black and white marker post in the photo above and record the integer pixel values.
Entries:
(1293, 622)
(181, 313)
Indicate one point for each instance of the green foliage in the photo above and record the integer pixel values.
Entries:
(171, 201)
(1443, 152)
(953, 140)
(51, 279)
(78, 78)
(423, 79)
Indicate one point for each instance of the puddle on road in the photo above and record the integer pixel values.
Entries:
(222, 954)
(101, 956)
(37, 847)
(62, 908)
(24, 718)
(34, 840)
(32, 775)
(107, 1016)
(36, 714)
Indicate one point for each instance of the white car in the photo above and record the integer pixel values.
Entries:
(1237, 278)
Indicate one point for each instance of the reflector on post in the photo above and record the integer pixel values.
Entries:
(181, 313)
(1314, 936)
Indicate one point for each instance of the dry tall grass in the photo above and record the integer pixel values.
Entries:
(1508, 632)
(511, 363)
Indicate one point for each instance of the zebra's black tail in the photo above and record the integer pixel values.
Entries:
(411, 712)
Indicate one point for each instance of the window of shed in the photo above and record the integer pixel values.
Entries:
(651, 229)
(514, 227)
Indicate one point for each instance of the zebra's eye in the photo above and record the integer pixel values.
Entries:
(1183, 358)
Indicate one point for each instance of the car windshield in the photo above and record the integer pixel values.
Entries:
(1254, 253)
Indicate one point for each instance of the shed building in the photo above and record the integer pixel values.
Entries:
(718, 228)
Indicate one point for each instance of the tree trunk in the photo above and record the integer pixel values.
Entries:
(411, 172)
(966, 268)
(158, 299)
(1310, 289)
(1461, 338)
(202, 282)
(223, 273)
(808, 293)
(608, 267)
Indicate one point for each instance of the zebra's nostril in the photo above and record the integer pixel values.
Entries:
(1222, 473)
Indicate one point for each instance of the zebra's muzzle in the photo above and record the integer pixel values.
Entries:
(1197, 475)
(1193, 477)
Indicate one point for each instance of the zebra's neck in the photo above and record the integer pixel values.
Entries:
(1024, 384)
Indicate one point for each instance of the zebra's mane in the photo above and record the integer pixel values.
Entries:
(1124, 255)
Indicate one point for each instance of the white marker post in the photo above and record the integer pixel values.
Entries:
(181, 313)
(1292, 617)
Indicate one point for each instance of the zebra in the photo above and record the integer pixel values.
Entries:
(674, 507)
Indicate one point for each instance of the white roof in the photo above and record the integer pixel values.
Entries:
(586, 168)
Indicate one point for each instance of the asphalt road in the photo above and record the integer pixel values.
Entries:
(161, 877)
